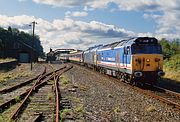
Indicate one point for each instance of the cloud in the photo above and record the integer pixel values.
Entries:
(75, 14)
(62, 3)
(67, 33)
(165, 13)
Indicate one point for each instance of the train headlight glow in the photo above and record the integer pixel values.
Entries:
(148, 60)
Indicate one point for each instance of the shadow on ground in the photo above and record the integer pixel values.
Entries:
(169, 84)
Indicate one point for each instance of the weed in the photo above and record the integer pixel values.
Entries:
(1, 118)
(75, 99)
(83, 88)
(64, 80)
(79, 109)
(64, 113)
(117, 109)
(49, 96)
(150, 108)
(110, 96)
(17, 98)
(30, 98)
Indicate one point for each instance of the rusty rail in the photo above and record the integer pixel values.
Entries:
(57, 91)
(37, 84)
(168, 91)
(14, 115)
(56, 84)
(158, 97)
(10, 102)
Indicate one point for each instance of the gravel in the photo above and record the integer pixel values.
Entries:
(97, 98)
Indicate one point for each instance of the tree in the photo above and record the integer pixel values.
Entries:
(175, 46)
(166, 47)
(11, 35)
(170, 48)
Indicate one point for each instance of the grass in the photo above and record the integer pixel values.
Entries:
(18, 99)
(1, 118)
(13, 75)
(63, 114)
(7, 60)
(64, 80)
(172, 68)
(49, 96)
(75, 99)
(79, 109)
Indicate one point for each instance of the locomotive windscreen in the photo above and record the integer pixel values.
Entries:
(146, 49)
(146, 40)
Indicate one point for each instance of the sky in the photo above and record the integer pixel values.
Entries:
(80, 24)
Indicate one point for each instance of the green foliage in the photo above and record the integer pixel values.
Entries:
(49, 96)
(172, 68)
(64, 113)
(17, 98)
(171, 51)
(79, 109)
(170, 48)
(64, 80)
(1, 118)
(173, 63)
(8, 37)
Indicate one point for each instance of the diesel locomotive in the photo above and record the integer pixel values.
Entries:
(134, 60)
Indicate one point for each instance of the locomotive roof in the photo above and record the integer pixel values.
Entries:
(130, 41)
(94, 47)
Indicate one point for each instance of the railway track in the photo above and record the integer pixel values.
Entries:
(163, 95)
(13, 94)
(37, 105)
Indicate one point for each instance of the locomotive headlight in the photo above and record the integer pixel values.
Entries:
(138, 74)
(148, 60)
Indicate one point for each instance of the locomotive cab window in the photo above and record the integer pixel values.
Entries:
(146, 49)
(127, 50)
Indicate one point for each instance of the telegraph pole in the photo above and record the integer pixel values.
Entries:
(32, 44)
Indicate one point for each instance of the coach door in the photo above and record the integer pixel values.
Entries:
(118, 58)
(127, 56)
(95, 59)
(126, 53)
